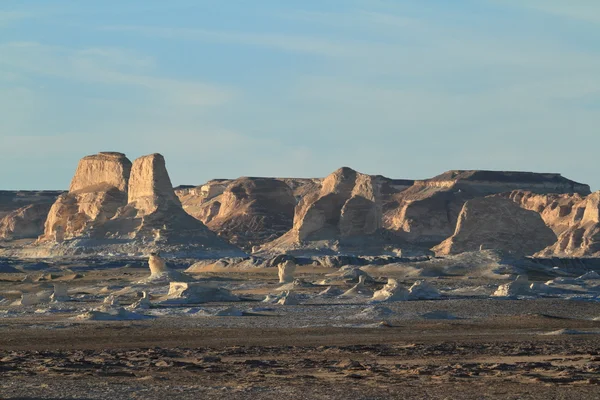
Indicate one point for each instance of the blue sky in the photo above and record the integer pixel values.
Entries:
(229, 88)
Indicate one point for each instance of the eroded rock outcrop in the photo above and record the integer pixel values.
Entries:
(582, 237)
(345, 212)
(122, 208)
(246, 211)
(572, 217)
(495, 223)
(24, 223)
(426, 213)
(97, 191)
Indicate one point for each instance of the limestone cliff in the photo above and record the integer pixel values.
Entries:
(247, 211)
(98, 189)
(24, 223)
(426, 213)
(346, 213)
(582, 237)
(496, 223)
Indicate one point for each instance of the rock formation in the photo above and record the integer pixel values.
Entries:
(575, 219)
(426, 213)
(246, 211)
(286, 271)
(156, 264)
(345, 213)
(582, 237)
(196, 293)
(495, 223)
(392, 291)
(519, 287)
(97, 191)
(122, 208)
(12, 200)
(24, 223)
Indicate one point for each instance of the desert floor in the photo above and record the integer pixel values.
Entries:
(460, 347)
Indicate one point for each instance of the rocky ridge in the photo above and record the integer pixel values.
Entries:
(427, 213)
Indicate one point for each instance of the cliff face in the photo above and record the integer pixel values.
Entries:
(23, 213)
(496, 223)
(345, 214)
(581, 236)
(247, 211)
(150, 187)
(427, 213)
(24, 223)
(106, 169)
(97, 191)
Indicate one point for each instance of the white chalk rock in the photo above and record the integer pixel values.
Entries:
(286, 271)
(518, 287)
(194, 293)
(111, 301)
(271, 299)
(359, 289)
(288, 299)
(392, 291)
(421, 290)
(27, 299)
(60, 293)
(142, 304)
(330, 292)
(157, 264)
(161, 273)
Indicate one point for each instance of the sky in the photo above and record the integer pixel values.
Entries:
(229, 88)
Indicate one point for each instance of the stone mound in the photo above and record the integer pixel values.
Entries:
(196, 293)
(392, 291)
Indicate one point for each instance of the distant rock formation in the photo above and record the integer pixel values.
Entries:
(345, 213)
(24, 223)
(23, 213)
(582, 237)
(118, 207)
(247, 211)
(426, 213)
(573, 218)
(12, 200)
(97, 191)
(559, 211)
(495, 223)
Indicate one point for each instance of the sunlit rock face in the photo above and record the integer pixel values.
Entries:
(97, 191)
(427, 213)
(346, 212)
(119, 207)
(496, 223)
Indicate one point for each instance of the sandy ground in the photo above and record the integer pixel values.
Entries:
(472, 347)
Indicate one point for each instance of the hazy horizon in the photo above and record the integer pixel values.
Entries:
(403, 89)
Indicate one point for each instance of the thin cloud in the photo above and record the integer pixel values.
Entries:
(110, 67)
